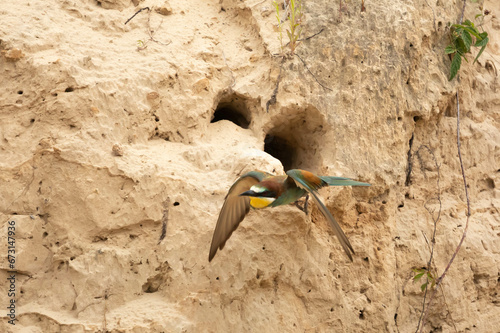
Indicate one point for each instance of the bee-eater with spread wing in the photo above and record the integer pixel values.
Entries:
(258, 189)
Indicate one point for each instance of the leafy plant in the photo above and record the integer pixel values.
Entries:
(419, 272)
(278, 17)
(461, 41)
(295, 16)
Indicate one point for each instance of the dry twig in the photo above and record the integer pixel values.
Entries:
(272, 100)
(464, 235)
(434, 219)
(314, 76)
(137, 12)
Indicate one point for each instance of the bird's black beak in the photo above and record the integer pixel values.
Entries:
(248, 194)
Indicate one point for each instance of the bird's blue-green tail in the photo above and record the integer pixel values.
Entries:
(340, 181)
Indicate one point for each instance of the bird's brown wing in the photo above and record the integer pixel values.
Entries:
(234, 210)
(346, 245)
(311, 183)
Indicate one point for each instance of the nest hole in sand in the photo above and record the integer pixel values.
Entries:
(233, 108)
(294, 136)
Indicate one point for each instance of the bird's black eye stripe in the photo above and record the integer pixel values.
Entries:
(267, 194)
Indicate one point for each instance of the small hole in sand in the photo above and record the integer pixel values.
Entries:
(233, 108)
(281, 149)
(231, 114)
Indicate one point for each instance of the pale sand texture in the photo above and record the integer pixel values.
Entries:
(96, 136)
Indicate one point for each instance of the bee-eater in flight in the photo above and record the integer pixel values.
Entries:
(258, 189)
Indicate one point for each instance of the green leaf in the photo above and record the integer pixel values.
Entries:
(467, 39)
(473, 31)
(457, 32)
(481, 51)
(418, 276)
(460, 45)
(477, 15)
(462, 55)
(450, 49)
(482, 42)
(455, 65)
(469, 23)
(422, 287)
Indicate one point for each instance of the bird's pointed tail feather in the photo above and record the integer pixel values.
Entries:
(341, 181)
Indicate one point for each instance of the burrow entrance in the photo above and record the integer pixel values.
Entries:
(282, 149)
(296, 138)
(233, 108)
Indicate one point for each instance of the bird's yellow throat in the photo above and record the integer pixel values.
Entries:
(260, 202)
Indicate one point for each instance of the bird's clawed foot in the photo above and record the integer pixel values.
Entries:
(304, 207)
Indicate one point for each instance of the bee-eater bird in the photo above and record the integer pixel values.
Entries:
(258, 189)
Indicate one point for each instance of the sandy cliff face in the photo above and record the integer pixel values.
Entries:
(105, 132)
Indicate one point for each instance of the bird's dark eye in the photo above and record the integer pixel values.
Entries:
(267, 194)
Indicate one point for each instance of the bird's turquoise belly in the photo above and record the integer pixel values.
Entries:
(289, 197)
